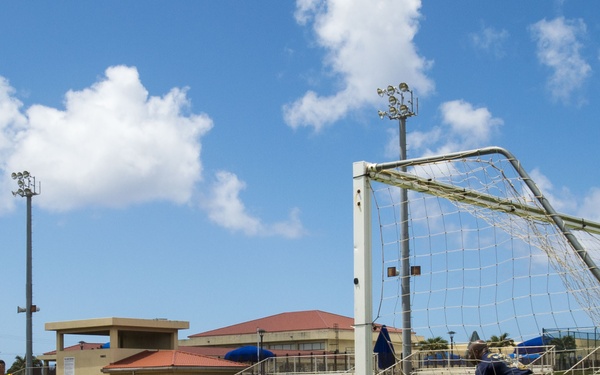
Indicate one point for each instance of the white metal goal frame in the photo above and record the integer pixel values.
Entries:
(394, 173)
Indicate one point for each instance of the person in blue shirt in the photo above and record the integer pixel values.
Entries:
(491, 363)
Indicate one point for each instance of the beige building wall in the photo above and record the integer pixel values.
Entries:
(330, 340)
(126, 336)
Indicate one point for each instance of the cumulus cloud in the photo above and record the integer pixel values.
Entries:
(225, 208)
(463, 127)
(558, 47)
(368, 44)
(113, 145)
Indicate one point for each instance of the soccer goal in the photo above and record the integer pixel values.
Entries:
(485, 252)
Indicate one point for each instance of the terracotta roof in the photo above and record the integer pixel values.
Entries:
(210, 351)
(289, 321)
(83, 346)
(169, 359)
(219, 351)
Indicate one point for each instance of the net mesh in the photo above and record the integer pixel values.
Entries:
(490, 257)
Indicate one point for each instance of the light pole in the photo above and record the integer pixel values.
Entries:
(259, 346)
(26, 189)
(451, 333)
(400, 109)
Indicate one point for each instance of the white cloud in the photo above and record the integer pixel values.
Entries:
(112, 145)
(490, 40)
(463, 127)
(225, 208)
(558, 47)
(562, 201)
(368, 44)
(590, 209)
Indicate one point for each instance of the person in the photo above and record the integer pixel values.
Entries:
(492, 363)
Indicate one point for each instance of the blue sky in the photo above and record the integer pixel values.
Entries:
(195, 157)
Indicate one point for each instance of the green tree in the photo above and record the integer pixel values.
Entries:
(564, 343)
(19, 364)
(500, 341)
(432, 344)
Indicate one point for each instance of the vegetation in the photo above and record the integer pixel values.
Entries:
(19, 364)
(432, 344)
(500, 341)
(564, 343)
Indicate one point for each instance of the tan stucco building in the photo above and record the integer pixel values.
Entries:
(125, 337)
(301, 332)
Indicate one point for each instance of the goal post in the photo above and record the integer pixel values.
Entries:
(494, 255)
(363, 279)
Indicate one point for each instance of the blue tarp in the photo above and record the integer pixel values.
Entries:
(529, 350)
(534, 345)
(248, 354)
(384, 348)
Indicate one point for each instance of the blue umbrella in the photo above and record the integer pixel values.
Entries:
(384, 349)
(248, 354)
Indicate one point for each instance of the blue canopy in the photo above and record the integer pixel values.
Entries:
(384, 349)
(534, 345)
(248, 354)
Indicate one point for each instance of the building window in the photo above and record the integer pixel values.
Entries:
(283, 347)
(312, 346)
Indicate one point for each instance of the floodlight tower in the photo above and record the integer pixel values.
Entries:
(400, 109)
(27, 189)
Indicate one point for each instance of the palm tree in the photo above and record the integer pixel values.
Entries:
(433, 344)
(19, 364)
(500, 341)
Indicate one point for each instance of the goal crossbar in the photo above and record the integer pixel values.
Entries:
(409, 181)
(550, 212)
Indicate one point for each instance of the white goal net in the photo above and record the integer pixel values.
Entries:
(487, 251)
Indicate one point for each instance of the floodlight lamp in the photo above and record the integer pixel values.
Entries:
(13, 175)
(404, 109)
(19, 175)
(20, 192)
(392, 99)
(25, 174)
(381, 114)
(380, 92)
(393, 111)
(391, 90)
(27, 191)
(403, 87)
(20, 183)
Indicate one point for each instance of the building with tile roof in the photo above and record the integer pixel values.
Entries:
(123, 337)
(171, 362)
(301, 331)
(152, 346)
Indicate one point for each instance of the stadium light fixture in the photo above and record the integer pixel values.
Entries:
(27, 189)
(400, 108)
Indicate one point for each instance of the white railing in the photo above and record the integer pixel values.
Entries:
(316, 363)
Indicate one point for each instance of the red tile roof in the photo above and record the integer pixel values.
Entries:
(83, 346)
(170, 359)
(289, 321)
(219, 352)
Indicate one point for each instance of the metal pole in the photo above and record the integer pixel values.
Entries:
(405, 255)
(27, 189)
(400, 109)
(28, 292)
